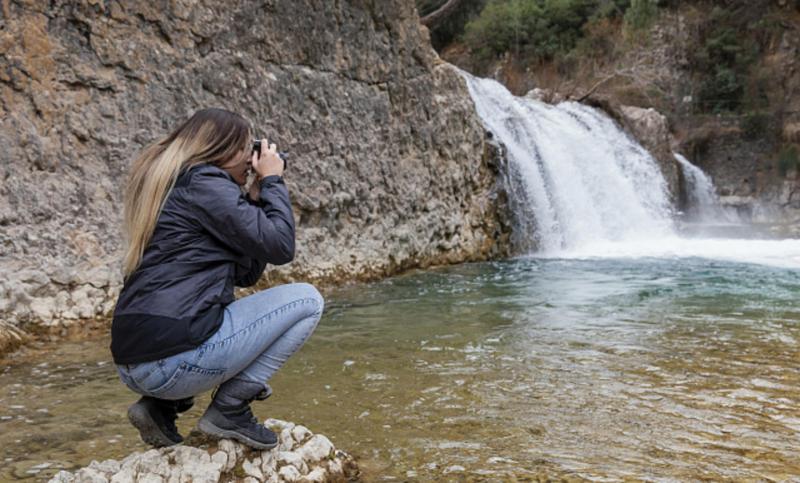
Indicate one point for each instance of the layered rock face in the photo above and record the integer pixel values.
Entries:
(744, 172)
(388, 166)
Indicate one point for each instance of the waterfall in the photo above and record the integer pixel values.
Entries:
(575, 177)
(702, 202)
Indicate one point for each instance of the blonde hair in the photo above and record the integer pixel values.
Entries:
(210, 136)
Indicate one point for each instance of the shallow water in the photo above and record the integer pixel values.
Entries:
(601, 368)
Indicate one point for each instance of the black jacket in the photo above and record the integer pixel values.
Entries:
(208, 238)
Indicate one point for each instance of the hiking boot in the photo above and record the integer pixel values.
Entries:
(229, 415)
(155, 419)
(237, 422)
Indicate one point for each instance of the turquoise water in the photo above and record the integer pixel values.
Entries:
(600, 368)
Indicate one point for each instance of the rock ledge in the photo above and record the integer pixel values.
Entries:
(300, 456)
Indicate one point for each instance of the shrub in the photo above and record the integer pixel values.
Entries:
(536, 28)
(612, 8)
(724, 60)
(641, 14)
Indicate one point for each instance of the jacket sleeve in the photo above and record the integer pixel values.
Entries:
(248, 276)
(265, 233)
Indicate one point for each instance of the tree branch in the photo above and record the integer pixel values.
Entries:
(598, 84)
(436, 17)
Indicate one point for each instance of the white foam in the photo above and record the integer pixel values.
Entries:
(774, 253)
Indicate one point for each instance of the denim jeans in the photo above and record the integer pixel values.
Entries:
(258, 334)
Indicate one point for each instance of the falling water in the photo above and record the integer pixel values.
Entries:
(581, 188)
(702, 202)
(578, 177)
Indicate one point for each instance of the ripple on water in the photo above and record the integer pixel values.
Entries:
(604, 369)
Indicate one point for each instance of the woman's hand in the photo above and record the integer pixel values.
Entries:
(269, 163)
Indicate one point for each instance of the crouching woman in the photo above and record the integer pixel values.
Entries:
(192, 235)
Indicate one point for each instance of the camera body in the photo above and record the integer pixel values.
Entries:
(257, 150)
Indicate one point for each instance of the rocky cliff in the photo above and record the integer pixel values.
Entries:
(389, 166)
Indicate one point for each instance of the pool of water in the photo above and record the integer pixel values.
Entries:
(668, 368)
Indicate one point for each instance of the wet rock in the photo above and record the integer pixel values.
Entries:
(313, 460)
(290, 458)
(300, 433)
(454, 469)
(252, 469)
(317, 448)
(289, 473)
(318, 475)
(651, 129)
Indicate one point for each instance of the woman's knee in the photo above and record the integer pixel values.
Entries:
(310, 292)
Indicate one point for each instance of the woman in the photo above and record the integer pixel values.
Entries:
(192, 236)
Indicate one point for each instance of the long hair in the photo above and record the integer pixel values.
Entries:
(210, 136)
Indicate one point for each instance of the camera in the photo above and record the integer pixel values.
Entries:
(257, 150)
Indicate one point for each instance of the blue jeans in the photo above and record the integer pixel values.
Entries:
(258, 334)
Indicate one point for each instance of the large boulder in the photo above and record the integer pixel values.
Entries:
(651, 129)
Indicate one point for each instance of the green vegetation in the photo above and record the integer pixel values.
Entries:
(540, 29)
(641, 14)
(788, 159)
(723, 60)
(586, 40)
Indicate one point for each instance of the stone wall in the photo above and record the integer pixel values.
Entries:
(388, 166)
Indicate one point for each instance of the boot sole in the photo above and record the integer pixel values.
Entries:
(211, 429)
(148, 429)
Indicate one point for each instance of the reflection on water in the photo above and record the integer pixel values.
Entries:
(603, 369)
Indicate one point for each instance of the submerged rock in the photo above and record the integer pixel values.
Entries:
(300, 456)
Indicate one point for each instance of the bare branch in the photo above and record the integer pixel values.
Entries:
(598, 84)
(436, 17)
(636, 77)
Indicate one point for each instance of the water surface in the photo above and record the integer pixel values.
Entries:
(601, 368)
